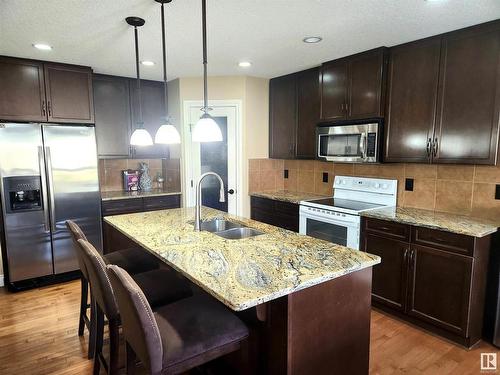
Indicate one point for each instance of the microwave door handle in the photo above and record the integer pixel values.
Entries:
(362, 145)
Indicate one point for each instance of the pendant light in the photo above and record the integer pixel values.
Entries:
(140, 136)
(206, 129)
(166, 133)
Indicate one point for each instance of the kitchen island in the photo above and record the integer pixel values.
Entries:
(306, 301)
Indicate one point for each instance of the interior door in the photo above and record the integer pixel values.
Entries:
(469, 97)
(71, 160)
(219, 157)
(411, 101)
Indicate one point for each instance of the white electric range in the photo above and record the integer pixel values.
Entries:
(337, 219)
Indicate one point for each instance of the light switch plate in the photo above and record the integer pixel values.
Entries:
(409, 184)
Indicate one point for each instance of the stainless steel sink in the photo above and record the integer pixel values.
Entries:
(239, 233)
(218, 225)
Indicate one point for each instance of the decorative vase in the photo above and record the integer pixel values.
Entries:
(145, 180)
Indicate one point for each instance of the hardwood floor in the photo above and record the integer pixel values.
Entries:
(38, 335)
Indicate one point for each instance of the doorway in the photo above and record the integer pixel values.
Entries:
(223, 158)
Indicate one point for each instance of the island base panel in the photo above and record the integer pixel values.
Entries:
(324, 329)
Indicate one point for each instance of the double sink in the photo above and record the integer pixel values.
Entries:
(228, 229)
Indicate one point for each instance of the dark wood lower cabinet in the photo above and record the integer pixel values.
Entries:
(440, 286)
(281, 214)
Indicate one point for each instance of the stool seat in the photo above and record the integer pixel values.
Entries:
(196, 327)
(134, 260)
(162, 286)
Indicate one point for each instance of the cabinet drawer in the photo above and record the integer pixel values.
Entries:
(388, 228)
(121, 206)
(160, 202)
(453, 242)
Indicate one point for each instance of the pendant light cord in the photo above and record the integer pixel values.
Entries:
(205, 79)
(139, 93)
(163, 42)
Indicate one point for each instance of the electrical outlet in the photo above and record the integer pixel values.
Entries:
(409, 184)
(325, 176)
(497, 192)
(285, 174)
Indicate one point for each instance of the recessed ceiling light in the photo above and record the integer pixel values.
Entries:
(312, 39)
(147, 63)
(42, 46)
(244, 64)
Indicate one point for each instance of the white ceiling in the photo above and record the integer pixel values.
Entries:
(266, 32)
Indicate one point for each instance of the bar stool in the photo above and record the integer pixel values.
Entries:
(134, 260)
(177, 337)
(160, 287)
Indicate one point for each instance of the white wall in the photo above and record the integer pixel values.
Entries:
(252, 92)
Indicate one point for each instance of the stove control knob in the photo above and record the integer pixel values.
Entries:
(377, 185)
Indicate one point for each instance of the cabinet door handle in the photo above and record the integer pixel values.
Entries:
(44, 112)
(49, 108)
(429, 142)
(412, 258)
(435, 147)
(346, 107)
(405, 255)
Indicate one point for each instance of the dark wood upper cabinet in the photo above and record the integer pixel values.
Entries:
(308, 104)
(366, 89)
(153, 114)
(112, 115)
(411, 101)
(69, 94)
(354, 87)
(282, 116)
(333, 90)
(469, 96)
(22, 94)
(440, 285)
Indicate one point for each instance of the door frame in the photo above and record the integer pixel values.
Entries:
(233, 105)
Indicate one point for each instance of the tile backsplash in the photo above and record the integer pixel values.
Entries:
(460, 189)
(110, 172)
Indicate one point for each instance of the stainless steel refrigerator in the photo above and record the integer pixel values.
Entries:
(48, 175)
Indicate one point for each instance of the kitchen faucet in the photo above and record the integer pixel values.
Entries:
(197, 217)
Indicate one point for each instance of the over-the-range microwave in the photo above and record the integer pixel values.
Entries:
(349, 143)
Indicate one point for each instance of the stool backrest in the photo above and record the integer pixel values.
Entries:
(77, 234)
(139, 324)
(98, 278)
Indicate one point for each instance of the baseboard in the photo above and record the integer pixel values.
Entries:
(1, 281)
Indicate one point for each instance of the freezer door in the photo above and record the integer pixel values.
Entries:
(26, 230)
(73, 189)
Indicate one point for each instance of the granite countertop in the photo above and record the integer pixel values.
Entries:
(240, 273)
(435, 220)
(122, 194)
(287, 196)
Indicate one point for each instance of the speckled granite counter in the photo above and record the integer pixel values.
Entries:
(240, 273)
(435, 220)
(121, 194)
(286, 196)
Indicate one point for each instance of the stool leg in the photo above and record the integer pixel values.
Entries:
(83, 304)
(131, 359)
(92, 330)
(99, 336)
(114, 346)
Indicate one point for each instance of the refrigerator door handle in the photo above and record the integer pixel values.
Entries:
(50, 179)
(43, 178)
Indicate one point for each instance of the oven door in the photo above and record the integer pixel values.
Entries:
(341, 230)
(349, 143)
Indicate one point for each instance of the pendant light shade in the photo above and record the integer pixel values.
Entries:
(206, 129)
(140, 136)
(166, 133)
